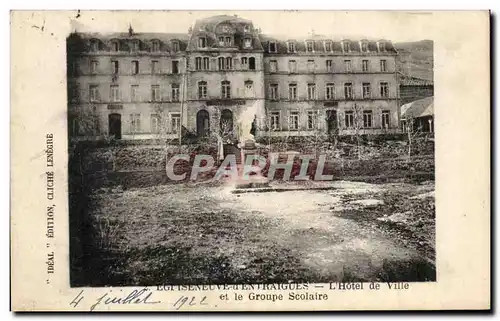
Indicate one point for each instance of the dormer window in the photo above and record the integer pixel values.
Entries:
(382, 46)
(347, 46)
(291, 47)
(221, 41)
(175, 46)
(134, 46)
(228, 41)
(246, 28)
(273, 47)
(328, 46)
(155, 46)
(94, 45)
(364, 46)
(115, 46)
(310, 46)
(202, 42)
(248, 43)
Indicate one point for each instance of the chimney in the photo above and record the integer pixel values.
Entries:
(130, 30)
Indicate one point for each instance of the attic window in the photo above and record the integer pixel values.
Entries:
(291, 46)
(310, 46)
(364, 46)
(134, 46)
(115, 46)
(202, 42)
(382, 46)
(155, 46)
(273, 47)
(94, 45)
(248, 42)
(347, 46)
(328, 46)
(246, 28)
(175, 46)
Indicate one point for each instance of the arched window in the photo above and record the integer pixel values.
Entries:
(226, 89)
(251, 63)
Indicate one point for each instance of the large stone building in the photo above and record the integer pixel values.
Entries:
(224, 74)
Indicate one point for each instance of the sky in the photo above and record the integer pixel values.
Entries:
(394, 26)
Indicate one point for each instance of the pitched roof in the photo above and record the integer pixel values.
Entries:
(405, 80)
(418, 108)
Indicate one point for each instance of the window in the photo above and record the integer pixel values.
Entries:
(367, 90)
(367, 119)
(229, 63)
(364, 46)
(175, 92)
(310, 66)
(383, 65)
(206, 63)
(135, 67)
(155, 93)
(222, 63)
(309, 46)
(221, 41)
(292, 91)
(226, 89)
(155, 123)
(94, 45)
(273, 47)
(135, 123)
(365, 65)
(228, 41)
(175, 123)
(329, 66)
(292, 66)
(251, 63)
(155, 46)
(349, 119)
(273, 66)
(134, 93)
(347, 46)
(202, 42)
(386, 119)
(328, 46)
(384, 89)
(202, 90)
(249, 89)
(275, 120)
(330, 91)
(291, 47)
(93, 67)
(134, 46)
(244, 63)
(348, 90)
(94, 93)
(115, 46)
(198, 63)
(293, 123)
(175, 66)
(246, 28)
(347, 65)
(311, 91)
(175, 46)
(382, 46)
(114, 93)
(248, 43)
(273, 92)
(311, 119)
(116, 66)
(154, 67)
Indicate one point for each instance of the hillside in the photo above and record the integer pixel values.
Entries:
(417, 58)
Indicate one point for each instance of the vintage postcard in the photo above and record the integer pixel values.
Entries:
(250, 160)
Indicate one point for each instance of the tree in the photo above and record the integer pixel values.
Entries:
(358, 126)
(413, 133)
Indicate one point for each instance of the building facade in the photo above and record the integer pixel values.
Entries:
(223, 75)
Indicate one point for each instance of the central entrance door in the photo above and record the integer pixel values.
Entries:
(115, 125)
(331, 121)
(226, 122)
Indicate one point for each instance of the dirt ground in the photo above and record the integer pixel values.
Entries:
(180, 234)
